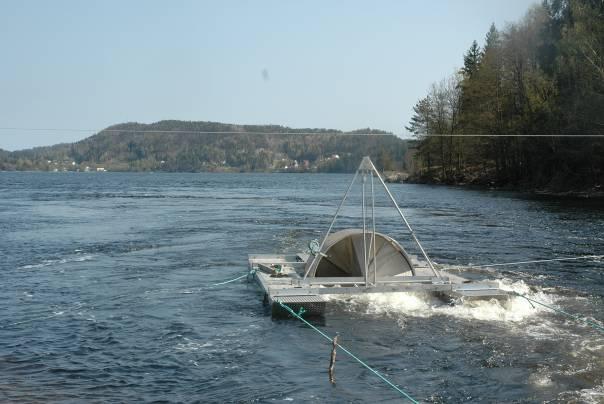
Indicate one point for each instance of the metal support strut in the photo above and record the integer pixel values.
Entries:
(364, 231)
(313, 265)
(436, 273)
(367, 167)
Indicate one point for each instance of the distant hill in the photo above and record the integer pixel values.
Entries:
(180, 146)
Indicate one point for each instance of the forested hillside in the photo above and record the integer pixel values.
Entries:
(540, 80)
(179, 146)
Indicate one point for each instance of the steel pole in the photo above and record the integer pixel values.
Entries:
(313, 265)
(436, 273)
(364, 231)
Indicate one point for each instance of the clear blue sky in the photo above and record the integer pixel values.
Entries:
(333, 64)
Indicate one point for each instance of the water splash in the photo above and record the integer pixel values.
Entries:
(515, 309)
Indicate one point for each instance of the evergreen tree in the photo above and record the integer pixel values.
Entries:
(471, 60)
(492, 39)
(542, 75)
(421, 121)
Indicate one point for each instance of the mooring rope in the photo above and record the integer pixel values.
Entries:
(378, 374)
(252, 272)
(403, 393)
(583, 257)
(590, 323)
(230, 280)
(59, 313)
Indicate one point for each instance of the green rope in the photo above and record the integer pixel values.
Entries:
(234, 280)
(590, 323)
(378, 374)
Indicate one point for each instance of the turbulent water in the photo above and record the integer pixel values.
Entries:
(105, 294)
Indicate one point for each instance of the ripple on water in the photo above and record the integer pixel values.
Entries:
(107, 276)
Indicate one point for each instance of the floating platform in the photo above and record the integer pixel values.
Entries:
(281, 277)
(358, 261)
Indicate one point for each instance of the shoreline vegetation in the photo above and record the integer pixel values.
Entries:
(189, 146)
(595, 192)
(525, 111)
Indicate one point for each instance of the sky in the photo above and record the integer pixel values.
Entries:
(73, 68)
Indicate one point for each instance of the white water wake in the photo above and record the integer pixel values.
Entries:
(515, 309)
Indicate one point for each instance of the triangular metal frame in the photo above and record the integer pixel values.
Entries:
(367, 168)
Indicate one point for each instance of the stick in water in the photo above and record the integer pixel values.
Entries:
(332, 361)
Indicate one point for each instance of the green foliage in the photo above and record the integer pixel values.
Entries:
(471, 60)
(541, 76)
(181, 146)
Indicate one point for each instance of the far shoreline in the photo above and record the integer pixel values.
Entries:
(593, 194)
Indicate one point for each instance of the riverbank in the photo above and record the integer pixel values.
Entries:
(593, 192)
(561, 189)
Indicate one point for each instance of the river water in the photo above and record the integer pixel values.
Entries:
(105, 294)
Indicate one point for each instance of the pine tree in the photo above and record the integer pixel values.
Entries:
(492, 39)
(421, 121)
(471, 60)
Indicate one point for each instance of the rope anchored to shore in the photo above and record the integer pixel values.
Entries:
(590, 323)
(353, 356)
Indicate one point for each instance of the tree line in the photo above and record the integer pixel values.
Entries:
(210, 146)
(527, 107)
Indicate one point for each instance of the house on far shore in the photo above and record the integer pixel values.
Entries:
(100, 169)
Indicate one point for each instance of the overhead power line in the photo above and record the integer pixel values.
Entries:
(422, 136)
(203, 132)
(590, 134)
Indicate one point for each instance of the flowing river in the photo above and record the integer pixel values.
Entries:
(105, 294)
